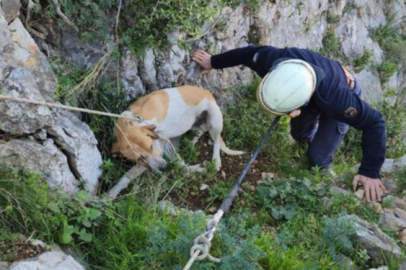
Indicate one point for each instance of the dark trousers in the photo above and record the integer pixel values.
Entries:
(321, 132)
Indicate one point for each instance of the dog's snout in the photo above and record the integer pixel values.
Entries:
(163, 166)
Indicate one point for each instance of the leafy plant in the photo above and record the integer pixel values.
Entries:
(337, 233)
(395, 128)
(67, 76)
(23, 198)
(331, 45)
(77, 216)
(361, 61)
(386, 69)
(332, 19)
(285, 197)
(151, 21)
(146, 239)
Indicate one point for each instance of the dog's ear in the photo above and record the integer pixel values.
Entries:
(151, 131)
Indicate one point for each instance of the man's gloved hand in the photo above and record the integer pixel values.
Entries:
(204, 60)
(373, 187)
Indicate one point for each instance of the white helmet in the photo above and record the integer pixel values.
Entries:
(287, 87)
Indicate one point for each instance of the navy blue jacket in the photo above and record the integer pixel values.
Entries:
(332, 96)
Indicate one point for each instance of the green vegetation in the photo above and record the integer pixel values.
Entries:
(331, 45)
(143, 24)
(279, 223)
(332, 19)
(361, 61)
(386, 69)
(392, 41)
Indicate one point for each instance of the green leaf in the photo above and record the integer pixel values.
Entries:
(54, 207)
(82, 196)
(65, 236)
(273, 192)
(94, 213)
(277, 213)
(85, 236)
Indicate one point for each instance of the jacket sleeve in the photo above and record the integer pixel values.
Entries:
(241, 56)
(345, 106)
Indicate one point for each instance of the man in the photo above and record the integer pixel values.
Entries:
(328, 99)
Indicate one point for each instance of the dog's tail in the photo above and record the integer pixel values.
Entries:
(229, 151)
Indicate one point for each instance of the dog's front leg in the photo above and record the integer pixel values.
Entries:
(125, 180)
(189, 168)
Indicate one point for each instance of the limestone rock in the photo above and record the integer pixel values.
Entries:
(403, 266)
(387, 166)
(391, 185)
(360, 193)
(389, 221)
(402, 237)
(3, 265)
(370, 84)
(377, 244)
(377, 207)
(147, 70)
(52, 260)
(80, 145)
(44, 158)
(345, 262)
(11, 9)
(337, 190)
(20, 118)
(389, 210)
(400, 213)
(27, 54)
(24, 72)
(327, 203)
(400, 163)
(129, 75)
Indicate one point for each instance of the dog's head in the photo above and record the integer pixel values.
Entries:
(139, 143)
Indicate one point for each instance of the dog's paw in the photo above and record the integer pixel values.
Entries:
(217, 165)
(195, 168)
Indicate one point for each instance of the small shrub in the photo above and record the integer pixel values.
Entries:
(386, 70)
(349, 7)
(142, 238)
(23, 200)
(361, 61)
(332, 19)
(395, 128)
(337, 233)
(67, 76)
(331, 45)
(284, 198)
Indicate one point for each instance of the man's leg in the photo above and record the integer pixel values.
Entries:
(325, 142)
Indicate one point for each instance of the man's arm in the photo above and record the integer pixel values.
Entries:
(345, 106)
(241, 56)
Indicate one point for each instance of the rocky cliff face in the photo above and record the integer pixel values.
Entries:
(277, 23)
(36, 137)
(70, 144)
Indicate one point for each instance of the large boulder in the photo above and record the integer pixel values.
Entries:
(377, 244)
(51, 260)
(44, 158)
(24, 72)
(79, 144)
(11, 9)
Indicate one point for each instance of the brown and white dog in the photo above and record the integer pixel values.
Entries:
(169, 113)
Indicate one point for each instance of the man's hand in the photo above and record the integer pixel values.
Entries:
(373, 187)
(204, 60)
